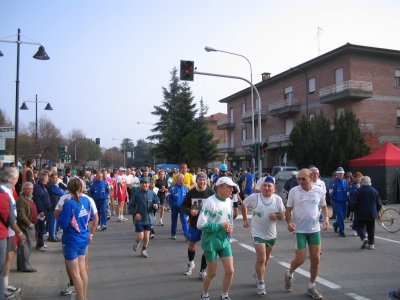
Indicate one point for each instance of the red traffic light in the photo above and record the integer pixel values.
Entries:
(187, 70)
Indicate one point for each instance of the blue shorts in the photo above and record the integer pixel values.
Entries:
(248, 191)
(141, 228)
(72, 251)
(194, 235)
(162, 201)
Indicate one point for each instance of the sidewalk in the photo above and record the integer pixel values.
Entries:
(50, 279)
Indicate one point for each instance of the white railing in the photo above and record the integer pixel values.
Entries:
(367, 127)
(247, 142)
(347, 85)
(225, 146)
(278, 138)
(225, 121)
(284, 103)
(249, 113)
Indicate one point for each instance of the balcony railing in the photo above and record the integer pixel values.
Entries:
(248, 114)
(278, 138)
(225, 121)
(225, 146)
(367, 127)
(347, 85)
(284, 103)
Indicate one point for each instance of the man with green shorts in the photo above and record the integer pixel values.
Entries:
(267, 208)
(215, 223)
(302, 216)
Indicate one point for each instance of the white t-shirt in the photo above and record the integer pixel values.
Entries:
(305, 208)
(68, 196)
(128, 179)
(261, 225)
(321, 184)
(14, 204)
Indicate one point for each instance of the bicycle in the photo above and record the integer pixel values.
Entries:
(390, 219)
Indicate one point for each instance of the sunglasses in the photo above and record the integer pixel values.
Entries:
(303, 178)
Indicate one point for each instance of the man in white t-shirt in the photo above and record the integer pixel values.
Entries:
(267, 208)
(318, 182)
(302, 216)
(129, 183)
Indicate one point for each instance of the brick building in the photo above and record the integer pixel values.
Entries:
(365, 80)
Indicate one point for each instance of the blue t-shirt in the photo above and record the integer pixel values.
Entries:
(248, 181)
(74, 220)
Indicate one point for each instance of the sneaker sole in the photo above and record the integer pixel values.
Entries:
(261, 293)
(319, 298)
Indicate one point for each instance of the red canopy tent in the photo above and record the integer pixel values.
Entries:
(383, 166)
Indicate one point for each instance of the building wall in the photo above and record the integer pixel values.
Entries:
(368, 66)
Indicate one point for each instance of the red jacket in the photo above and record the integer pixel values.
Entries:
(4, 214)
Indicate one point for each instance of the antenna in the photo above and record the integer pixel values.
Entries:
(319, 32)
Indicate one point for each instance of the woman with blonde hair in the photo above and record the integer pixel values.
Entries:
(74, 219)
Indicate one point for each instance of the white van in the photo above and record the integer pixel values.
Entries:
(277, 169)
(6, 164)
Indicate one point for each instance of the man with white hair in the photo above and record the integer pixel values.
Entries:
(367, 202)
(215, 223)
(338, 195)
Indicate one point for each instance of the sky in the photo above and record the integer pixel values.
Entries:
(110, 59)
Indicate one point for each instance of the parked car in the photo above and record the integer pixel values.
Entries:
(277, 169)
(280, 180)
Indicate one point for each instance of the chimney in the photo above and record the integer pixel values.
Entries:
(265, 76)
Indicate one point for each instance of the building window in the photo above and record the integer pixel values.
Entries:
(243, 107)
(312, 116)
(398, 117)
(231, 113)
(288, 92)
(244, 135)
(288, 126)
(397, 78)
(311, 86)
(232, 142)
(339, 76)
(339, 111)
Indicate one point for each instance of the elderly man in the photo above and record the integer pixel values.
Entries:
(177, 194)
(140, 206)
(367, 202)
(302, 217)
(188, 178)
(215, 223)
(267, 208)
(9, 179)
(41, 198)
(26, 220)
(339, 189)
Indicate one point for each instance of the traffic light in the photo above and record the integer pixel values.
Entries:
(67, 158)
(254, 149)
(98, 141)
(187, 70)
(61, 151)
(263, 150)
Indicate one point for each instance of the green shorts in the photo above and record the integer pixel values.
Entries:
(302, 239)
(268, 243)
(212, 255)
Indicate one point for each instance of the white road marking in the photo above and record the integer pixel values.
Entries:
(240, 217)
(381, 238)
(248, 247)
(357, 297)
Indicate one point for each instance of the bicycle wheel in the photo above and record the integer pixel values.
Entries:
(390, 220)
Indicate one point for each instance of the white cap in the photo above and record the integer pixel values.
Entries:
(226, 180)
(121, 169)
(294, 173)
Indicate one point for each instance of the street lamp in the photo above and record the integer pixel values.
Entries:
(211, 49)
(41, 55)
(124, 147)
(24, 107)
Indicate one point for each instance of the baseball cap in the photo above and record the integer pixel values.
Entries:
(145, 179)
(225, 180)
(340, 170)
(60, 174)
(121, 169)
(73, 172)
(270, 179)
(201, 175)
(295, 173)
(223, 168)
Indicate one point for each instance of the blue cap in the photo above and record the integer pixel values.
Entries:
(270, 179)
(223, 168)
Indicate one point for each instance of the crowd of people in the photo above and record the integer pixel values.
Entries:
(34, 205)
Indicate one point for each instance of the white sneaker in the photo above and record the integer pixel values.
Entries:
(123, 219)
(370, 247)
(8, 295)
(113, 213)
(136, 246)
(119, 219)
(255, 277)
(202, 274)
(354, 233)
(261, 289)
(189, 268)
(12, 289)
(144, 254)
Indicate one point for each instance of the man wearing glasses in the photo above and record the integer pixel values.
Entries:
(302, 216)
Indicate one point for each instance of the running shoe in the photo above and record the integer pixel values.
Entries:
(69, 290)
(189, 268)
(152, 236)
(288, 282)
(255, 277)
(226, 298)
(261, 289)
(12, 289)
(103, 227)
(136, 246)
(98, 227)
(202, 274)
(173, 237)
(8, 295)
(113, 213)
(370, 247)
(364, 244)
(123, 219)
(144, 254)
(392, 295)
(160, 223)
(313, 293)
(202, 297)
